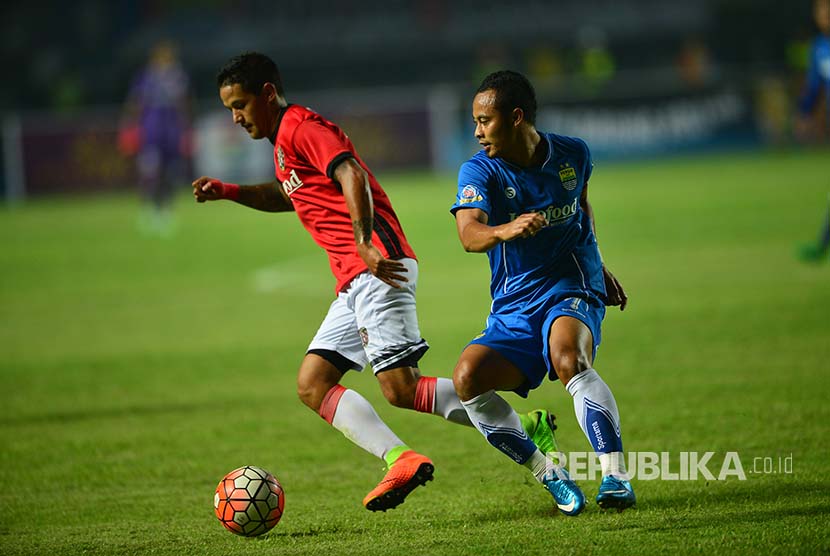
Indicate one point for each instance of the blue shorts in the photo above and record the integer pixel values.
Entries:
(522, 336)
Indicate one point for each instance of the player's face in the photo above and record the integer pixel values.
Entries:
(252, 112)
(493, 131)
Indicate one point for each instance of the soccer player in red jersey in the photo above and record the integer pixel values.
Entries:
(373, 318)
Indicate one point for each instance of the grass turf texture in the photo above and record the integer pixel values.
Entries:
(136, 372)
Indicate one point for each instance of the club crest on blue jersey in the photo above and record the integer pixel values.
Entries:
(469, 195)
(567, 175)
(509, 192)
(281, 159)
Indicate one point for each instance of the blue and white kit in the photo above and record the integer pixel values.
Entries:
(535, 280)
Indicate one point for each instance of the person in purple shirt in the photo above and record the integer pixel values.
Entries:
(156, 129)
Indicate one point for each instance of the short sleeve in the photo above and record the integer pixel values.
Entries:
(323, 147)
(472, 188)
(589, 163)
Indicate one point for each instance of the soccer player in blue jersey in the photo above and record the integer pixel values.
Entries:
(523, 200)
(814, 112)
(814, 102)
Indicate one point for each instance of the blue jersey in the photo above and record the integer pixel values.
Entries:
(818, 76)
(563, 256)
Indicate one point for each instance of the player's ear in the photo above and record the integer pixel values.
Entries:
(269, 91)
(518, 116)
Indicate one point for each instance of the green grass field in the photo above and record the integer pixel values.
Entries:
(136, 372)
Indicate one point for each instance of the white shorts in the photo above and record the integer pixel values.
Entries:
(372, 322)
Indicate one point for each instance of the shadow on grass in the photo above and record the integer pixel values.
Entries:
(82, 415)
(750, 502)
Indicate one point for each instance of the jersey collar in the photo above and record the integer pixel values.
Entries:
(273, 137)
(543, 137)
(550, 149)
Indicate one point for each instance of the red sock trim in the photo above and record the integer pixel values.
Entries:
(330, 401)
(425, 394)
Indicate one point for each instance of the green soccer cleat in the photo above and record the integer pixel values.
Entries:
(539, 425)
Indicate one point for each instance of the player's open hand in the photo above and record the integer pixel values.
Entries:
(524, 226)
(614, 290)
(387, 270)
(208, 189)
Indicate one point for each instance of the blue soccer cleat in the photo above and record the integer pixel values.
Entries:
(615, 493)
(568, 496)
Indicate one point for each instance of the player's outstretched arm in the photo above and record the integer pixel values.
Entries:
(268, 197)
(358, 195)
(613, 289)
(477, 237)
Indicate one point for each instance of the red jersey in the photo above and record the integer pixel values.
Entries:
(307, 149)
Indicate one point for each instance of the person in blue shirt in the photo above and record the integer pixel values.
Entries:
(523, 200)
(814, 102)
(813, 122)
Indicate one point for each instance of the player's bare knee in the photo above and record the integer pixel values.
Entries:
(463, 380)
(568, 362)
(311, 392)
(306, 395)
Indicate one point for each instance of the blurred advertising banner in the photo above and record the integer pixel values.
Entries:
(63, 154)
(392, 129)
(45, 154)
(655, 126)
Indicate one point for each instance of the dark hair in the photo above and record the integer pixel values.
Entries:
(251, 70)
(513, 90)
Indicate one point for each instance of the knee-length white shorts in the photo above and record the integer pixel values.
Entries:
(372, 322)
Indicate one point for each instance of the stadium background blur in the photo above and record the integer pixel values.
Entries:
(635, 79)
(137, 370)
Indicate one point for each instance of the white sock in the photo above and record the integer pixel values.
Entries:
(597, 414)
(500, 425)
(613, 463)
(538, 465)
(437, 396)
(448, 404)
(357, 420)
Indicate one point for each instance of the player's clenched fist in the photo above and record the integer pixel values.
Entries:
(211, 189)
(525, 225)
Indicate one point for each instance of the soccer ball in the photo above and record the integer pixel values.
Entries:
(249, 501)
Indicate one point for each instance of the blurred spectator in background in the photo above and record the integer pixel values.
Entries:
(813, 122)
(544, 67)
(155, 128)
(597, 63)
(694, 63)
(773, 103)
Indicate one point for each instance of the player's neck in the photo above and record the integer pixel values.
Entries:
(530, 150)
(281, 107)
